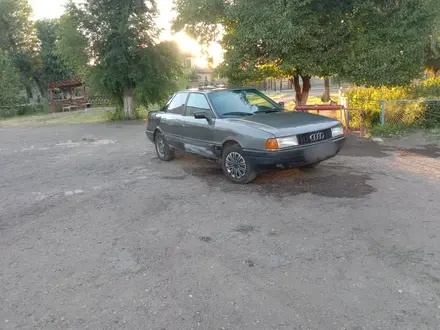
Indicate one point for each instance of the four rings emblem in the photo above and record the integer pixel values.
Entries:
(317, 137)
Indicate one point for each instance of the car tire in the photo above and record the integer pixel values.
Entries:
(310, 166)
(163, 151)
(236, 166)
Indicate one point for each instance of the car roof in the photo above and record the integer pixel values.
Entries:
(213, 90)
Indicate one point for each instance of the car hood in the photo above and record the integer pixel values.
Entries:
(288, 122)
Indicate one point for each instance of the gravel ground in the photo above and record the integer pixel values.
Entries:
(97, 233)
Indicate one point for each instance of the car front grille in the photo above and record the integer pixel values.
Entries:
(314, 137)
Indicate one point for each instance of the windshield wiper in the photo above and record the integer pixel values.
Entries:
(268, 111)
(237, 113)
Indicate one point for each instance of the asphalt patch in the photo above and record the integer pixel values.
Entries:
(324, 182)
(179, 177)
(356, 147)
(205, 239)
(430, 151)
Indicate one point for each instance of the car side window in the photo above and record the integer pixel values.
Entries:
(197, 103)
(177, 105)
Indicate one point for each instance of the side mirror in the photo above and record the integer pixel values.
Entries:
(203, 115)
(281, 104)
(200, 115)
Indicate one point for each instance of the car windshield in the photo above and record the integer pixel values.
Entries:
(242, 103)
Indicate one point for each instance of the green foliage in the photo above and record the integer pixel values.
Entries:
(388, 42)
(115, 114)
(391, 130)
(163, 66)
(120, 37)
(18, 38)
(17, 31)
(364, 42)
(9, 83)
(430, 88)
(433, 61)
(397, 114)
(71, 46)
(53, 67)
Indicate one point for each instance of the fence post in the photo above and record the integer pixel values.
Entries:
(383, 114)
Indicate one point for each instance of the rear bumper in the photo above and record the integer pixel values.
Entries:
(150, 135)
(297, 156)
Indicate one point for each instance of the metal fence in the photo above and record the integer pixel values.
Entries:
(98, 100)
(393, 113)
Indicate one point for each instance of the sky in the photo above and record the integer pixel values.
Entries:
(55, 8)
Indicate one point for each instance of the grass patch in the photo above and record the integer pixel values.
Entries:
(433, 134)
(93, 115)
(391, 130)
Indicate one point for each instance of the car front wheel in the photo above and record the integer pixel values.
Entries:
(236, 167)
(162, 149)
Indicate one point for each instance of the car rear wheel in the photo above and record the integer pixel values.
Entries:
(162, 149)
(235, 165)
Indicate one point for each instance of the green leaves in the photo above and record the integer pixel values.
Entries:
(9, 83)
(119, 41)
(53, 67)
(365, 42)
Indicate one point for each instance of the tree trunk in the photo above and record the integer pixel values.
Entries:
(326, 96)
(302, 93)
(129, 107)
(306, 88)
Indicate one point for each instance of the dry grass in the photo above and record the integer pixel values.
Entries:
(93, 115)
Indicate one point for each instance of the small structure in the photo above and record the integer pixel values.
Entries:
(69, 94)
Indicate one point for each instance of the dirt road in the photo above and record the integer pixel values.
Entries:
(97, 233)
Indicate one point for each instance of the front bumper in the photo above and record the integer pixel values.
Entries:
(297, 156)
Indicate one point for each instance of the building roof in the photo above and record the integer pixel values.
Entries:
(70, 82)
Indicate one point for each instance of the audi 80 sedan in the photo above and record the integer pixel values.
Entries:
(243, 129)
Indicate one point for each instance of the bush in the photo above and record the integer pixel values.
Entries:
(116, 114)
(430, 88)
(397, 114)
(368, 100)
(141, 112)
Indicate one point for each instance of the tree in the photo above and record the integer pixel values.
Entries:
(18, 38)
(388, 41)
(433, 61)
(72, 46)
(365, 42)
(121, 44)
(53, 67)
(9, 83)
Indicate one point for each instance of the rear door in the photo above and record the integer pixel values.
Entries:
(172, 120)
(198, 134)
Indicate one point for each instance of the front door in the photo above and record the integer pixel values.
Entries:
(198, 134)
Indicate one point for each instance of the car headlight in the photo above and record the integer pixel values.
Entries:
(286, 142)
(337, 131)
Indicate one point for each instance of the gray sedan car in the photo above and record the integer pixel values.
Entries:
(243, 129)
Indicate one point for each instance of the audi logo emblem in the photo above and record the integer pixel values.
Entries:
(317, 137)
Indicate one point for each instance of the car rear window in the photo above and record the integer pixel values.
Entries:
(198, 103)
(177, 105)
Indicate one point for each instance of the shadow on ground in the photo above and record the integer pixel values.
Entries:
(325, 181)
